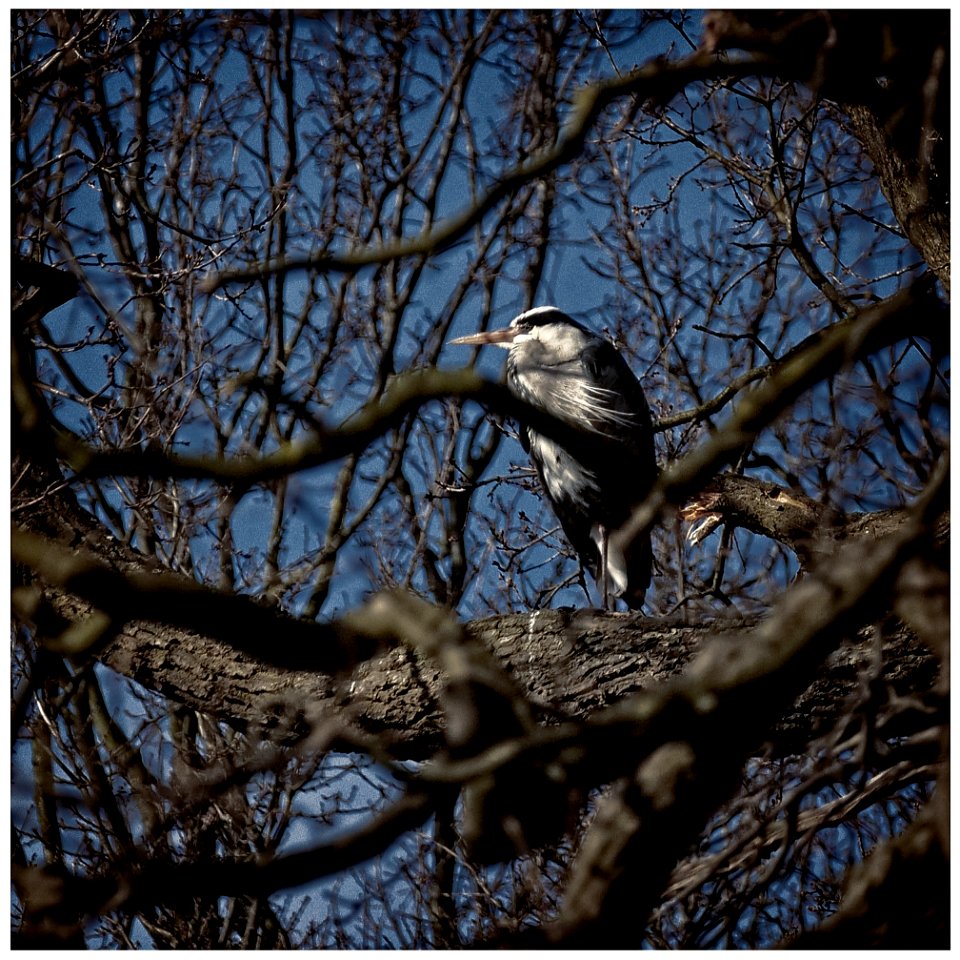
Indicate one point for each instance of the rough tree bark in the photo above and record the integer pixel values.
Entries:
(569, 663)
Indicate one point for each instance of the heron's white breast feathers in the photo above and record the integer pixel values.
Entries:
(563, 476)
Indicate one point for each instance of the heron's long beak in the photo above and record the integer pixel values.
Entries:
(501, 337)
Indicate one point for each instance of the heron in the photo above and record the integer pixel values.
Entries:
(560, 367)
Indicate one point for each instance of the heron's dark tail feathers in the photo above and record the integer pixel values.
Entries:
(639, 569)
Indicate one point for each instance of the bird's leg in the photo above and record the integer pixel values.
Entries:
(602, 545)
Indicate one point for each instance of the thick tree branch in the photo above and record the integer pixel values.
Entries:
(826, 354)
(177, 601)
(821, 355)
(568, 662)
(925, 218)
(407, 393)
(689, 729)
(696, 731)
(810, 528)
(897, 100)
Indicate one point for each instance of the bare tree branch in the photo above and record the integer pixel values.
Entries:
(657, 81)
